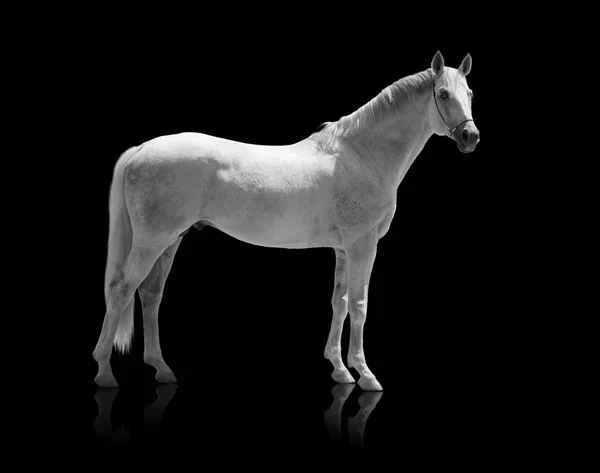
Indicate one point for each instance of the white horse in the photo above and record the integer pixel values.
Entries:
(337, 188)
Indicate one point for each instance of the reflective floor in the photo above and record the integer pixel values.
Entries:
(432, 407)
(285, 418)
(436, 414)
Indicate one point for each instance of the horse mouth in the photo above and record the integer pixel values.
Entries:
(462, 148)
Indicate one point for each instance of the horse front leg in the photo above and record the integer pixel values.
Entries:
(151, 292)
(339, 302)
(361, 257)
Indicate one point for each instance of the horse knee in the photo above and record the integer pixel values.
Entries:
(116, 283)
(150, 298)
(339, 300)
(358, 309)
(118, 289)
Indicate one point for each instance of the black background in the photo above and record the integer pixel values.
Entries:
(244, 327)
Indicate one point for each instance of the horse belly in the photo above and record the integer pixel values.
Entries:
(275, 220)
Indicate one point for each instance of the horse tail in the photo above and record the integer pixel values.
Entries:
(119, 246)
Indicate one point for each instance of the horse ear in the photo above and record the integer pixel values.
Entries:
(438, 63)
(465, 65)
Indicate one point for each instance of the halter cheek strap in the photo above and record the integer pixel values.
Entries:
(451, 130)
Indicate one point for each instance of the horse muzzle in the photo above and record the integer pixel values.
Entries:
(466, 136)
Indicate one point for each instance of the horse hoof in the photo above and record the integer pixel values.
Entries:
(106, 381)
(342, 376)
(166, 377)
(369, 384)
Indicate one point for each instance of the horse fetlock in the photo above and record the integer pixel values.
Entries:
(101, 357)
(333, 353)
(357, 360)
(153, 359)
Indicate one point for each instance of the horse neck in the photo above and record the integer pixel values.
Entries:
(390, 145)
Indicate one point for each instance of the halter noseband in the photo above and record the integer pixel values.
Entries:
(451, 130)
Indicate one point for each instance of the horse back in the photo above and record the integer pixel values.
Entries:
(274, 192)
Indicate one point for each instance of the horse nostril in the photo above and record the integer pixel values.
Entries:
(465, 136)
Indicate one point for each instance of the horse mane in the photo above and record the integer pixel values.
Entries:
(388, 101)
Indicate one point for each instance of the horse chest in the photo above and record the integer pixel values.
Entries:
(364, 207)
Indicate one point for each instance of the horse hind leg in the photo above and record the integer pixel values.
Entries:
(151, 292)
(339, 302)
(121, 289)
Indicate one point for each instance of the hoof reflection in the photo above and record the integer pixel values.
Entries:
(153, 414)
(102, 423)
(357, 424)
(333, 415)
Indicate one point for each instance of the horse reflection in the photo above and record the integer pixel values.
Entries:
(357, 424)
(153, 414)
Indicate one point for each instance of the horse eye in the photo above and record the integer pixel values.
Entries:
(444, 94)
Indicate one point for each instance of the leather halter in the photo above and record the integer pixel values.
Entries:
(451, 130)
